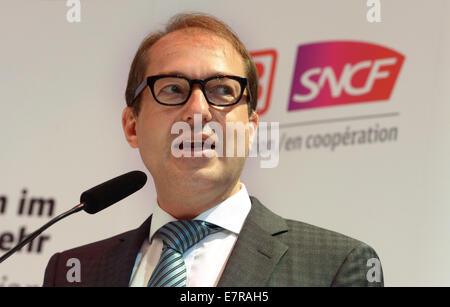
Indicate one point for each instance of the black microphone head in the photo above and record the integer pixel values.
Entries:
(111, 191)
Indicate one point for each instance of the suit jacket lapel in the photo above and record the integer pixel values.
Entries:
(257, 250)
(117, 264)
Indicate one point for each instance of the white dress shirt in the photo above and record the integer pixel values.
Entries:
(205, 260)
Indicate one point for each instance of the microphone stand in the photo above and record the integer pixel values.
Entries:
(40, 230)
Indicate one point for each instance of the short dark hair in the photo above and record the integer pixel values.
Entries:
(185, 21)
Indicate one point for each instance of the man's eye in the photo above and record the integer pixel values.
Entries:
(172, 89)
(223, 90)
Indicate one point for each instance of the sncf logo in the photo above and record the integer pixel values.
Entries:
(265, 61)
(343, 72)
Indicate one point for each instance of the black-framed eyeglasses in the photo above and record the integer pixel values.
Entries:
(173, 90)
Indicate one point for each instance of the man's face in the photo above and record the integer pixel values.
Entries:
(195, 55)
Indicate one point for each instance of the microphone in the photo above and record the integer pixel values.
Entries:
(104, 195)
(94, 200)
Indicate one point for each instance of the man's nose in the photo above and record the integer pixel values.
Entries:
(197, 104)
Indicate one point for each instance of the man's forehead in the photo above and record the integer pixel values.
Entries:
(175, 42)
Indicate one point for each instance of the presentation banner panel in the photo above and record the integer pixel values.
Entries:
(353, 107)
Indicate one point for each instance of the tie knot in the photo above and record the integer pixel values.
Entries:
(181, 235)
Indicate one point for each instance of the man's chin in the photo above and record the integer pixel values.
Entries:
(200, 178)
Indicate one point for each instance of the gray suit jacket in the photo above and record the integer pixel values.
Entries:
(270, 251)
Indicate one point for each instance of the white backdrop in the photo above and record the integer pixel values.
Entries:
(61, 94)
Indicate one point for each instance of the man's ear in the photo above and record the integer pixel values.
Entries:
(253, 128)
(129, 126)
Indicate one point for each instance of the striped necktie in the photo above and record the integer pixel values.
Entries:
(177, 237)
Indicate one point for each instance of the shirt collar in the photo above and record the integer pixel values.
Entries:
(229, 214)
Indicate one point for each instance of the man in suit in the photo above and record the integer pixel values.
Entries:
(197, 71)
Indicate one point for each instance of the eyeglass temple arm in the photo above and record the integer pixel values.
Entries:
(139, 89)
(249, 93)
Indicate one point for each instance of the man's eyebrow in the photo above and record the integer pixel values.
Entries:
(174, 72)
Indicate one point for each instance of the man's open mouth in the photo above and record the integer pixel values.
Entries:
(196, 145)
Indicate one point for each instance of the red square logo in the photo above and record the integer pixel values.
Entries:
(265, 61)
